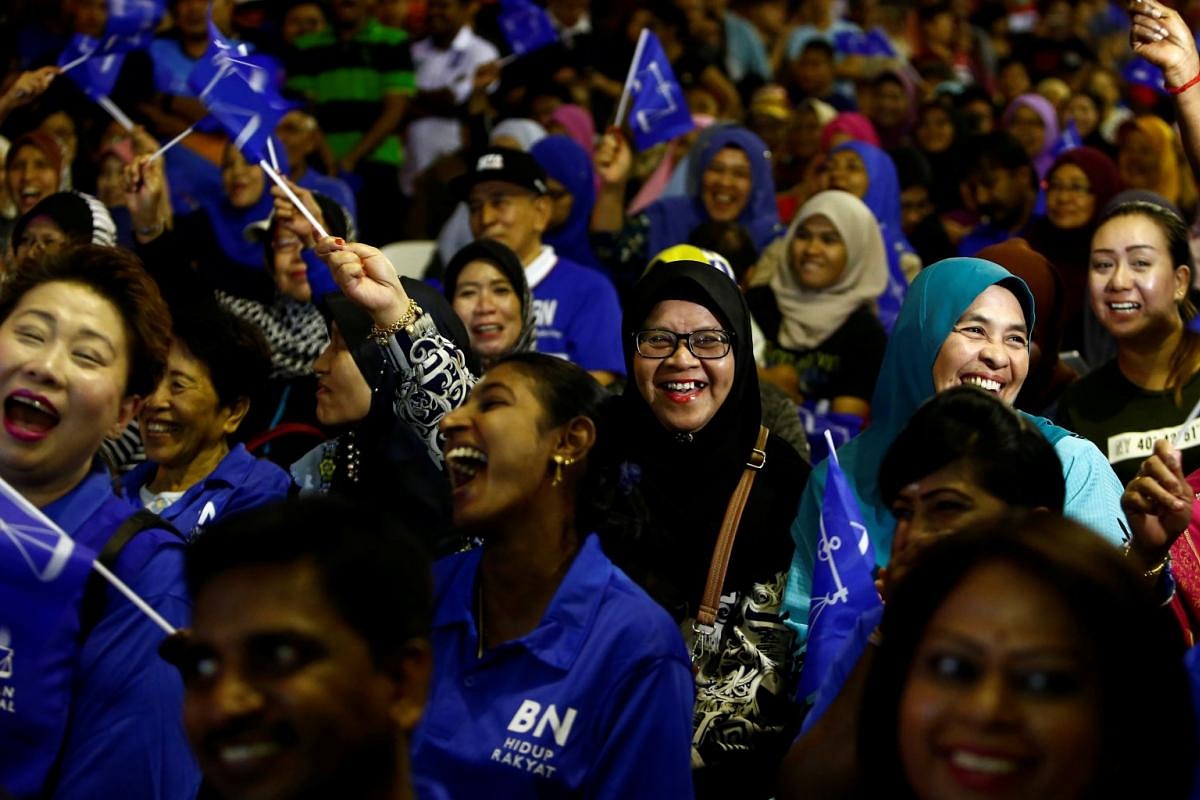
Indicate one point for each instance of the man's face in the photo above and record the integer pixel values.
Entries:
(510, 214)
(282, 697)
(1000, 194)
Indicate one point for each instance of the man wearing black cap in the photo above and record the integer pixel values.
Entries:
(578, 314)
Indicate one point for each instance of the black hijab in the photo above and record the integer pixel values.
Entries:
(506, 261)
(683, 482)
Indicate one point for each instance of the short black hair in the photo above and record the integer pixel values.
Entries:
(118, 276)
(996, 150)
(670, 15)
(1007, 454)
(730, 239)
(233, 350)
(819, 46)
(374, 571)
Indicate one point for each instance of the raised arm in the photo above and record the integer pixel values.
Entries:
(1159, 35)
(433, 373)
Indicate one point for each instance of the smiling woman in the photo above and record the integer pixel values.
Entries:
(554, 675)
(216, 368)
(1141, 268)
(964, 321)
(683, 433)
(1015, 660)
(83, 335)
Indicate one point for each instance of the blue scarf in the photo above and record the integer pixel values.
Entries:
(672, 219)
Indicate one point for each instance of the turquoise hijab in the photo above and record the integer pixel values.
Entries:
(937, 298)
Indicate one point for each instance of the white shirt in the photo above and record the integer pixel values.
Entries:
(453, 68)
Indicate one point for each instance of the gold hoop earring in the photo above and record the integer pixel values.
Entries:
(560, 461)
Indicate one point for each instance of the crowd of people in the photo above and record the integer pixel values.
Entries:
(486, 454)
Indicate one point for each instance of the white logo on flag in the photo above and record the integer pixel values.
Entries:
(6, 654)
(828, 546)
(646, 117)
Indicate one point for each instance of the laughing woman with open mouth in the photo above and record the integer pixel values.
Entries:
(1141, 268)
(965, 321)
(555, 676)
(688, 427)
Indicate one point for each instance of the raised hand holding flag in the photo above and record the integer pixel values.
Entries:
(842, 586)
(657, 109)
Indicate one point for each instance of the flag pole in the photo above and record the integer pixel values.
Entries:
(271, 153)
(832, 449)
(115, 112)
(296, 201)
(118, 584)
(178, 138)
(637, 57)
(70, 65)
(134, 598)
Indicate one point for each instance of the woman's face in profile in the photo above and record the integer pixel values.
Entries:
(343, 394)
(1001, 700)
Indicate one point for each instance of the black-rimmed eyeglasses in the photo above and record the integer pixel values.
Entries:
(657, 343)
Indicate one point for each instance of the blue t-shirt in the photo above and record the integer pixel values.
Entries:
(124, 738)
(595, 702)
(239, 482)
(578, 315)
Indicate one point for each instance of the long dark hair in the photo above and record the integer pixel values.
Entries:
(1187, 353)
(1135, 645)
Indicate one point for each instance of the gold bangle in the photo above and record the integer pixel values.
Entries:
(1154, 571)
(405, 323)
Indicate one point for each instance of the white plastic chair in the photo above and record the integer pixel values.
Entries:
(410, 258)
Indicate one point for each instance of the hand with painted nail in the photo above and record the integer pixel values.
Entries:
(1158, 504)
(1159, 35)
(366, 277)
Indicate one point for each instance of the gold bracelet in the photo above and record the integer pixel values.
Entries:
(405, 323)
(1154, 571)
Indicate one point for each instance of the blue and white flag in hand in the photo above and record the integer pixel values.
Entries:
(657, 110)
(238, 94)
(93, 72)
(842, 586)
(42, 575)
(1069, 139)
(526, 26)
(94, 64)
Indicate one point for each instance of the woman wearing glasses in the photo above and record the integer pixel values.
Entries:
(1078, 187)
(688, 425)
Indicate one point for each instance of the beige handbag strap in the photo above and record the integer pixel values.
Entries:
(706, 616)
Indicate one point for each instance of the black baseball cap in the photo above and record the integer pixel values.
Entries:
(507, 165)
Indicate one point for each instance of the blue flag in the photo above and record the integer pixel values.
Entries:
(842, 587)
(526, 26)
(238, 94)
(133, 18)
(42, 575)
(657, 110)
(94, 64)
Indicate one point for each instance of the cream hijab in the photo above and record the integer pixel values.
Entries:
(812, 316)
